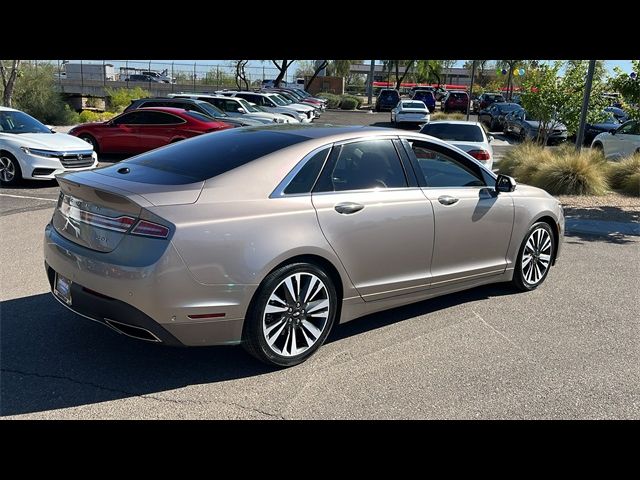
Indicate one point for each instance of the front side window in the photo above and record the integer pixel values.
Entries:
(629, 128)
(441, 170)
(361, 166)
(133, 118)
(161, 118)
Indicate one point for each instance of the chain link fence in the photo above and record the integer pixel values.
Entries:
(199, 76)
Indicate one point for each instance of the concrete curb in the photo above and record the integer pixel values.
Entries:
(601, 227)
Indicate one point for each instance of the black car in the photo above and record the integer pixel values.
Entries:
(143, 78)
(493, 117)
(615, 117)
(192, 104)
(387, 99)
(526, 127)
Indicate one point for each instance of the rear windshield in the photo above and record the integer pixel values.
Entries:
(458, 95)
(413, 105)
(507, 107)
(453, 131)
(390, 94)
(208, 155)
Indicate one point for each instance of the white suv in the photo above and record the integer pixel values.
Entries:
(28, 149)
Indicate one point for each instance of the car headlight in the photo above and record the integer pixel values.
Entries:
(40, 153)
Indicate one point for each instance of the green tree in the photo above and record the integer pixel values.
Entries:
(35, 92)
(339, 68)
(428, 70)
(304, 68)
(553, 99)
(628, 88)
(321, 65)
(510, 65)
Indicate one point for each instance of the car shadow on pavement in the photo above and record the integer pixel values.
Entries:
(51, 358)
(399, 314)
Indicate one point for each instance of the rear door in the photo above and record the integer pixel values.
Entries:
(156, 129)
(376, 218)
(472, 222)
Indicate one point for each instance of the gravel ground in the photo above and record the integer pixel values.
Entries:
(613, 207)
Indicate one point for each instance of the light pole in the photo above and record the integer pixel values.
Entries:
(371, 73)
(585, 104)
(473, 74)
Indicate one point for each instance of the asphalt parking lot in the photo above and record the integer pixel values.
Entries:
(570, 349)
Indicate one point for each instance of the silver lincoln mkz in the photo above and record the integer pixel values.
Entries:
(267, 236)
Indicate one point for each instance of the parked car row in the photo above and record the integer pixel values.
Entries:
(619, 143)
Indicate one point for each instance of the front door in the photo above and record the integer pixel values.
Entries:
(472, 222)
(380, 227)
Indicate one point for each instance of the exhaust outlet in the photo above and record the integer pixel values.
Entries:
(132, 331)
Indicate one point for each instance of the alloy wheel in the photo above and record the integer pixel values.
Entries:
(7, 169)
(536, 257)
(296, 314)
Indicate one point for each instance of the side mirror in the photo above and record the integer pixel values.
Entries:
(613, 132)
(505, 183)
(490, 138)
(241, 110)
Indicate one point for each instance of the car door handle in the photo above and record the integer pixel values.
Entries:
(348, 208)
(447, 200)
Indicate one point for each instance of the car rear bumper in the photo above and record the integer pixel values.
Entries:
(162, 299)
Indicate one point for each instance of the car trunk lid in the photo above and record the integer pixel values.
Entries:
(97, 211)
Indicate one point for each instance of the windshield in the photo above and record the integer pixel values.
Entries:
(20, 122)
(212, 110)
(198, 116)
(507, 107)
(246, 105)
(419, 105)
(278, 100)
(453, 131)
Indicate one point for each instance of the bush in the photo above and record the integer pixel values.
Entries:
(358, 100)
(35, 93)
(348, 103)
(87, 116)
(558, 171)
(448, 116)
(625, 175)
(120, 98)
(333, 101)
(572, 174)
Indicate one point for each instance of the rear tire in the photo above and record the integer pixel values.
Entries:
(291, 315)
(534, 258)
(10, 171)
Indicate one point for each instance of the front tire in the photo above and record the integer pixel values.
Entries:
(291, 315)
(90, 139)
(534, 258)
(10, 172)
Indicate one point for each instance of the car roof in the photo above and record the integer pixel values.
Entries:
(173, 110)
(457, 122)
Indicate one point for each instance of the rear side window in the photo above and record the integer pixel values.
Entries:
(198, 116)
(305, 179)
(206, 156)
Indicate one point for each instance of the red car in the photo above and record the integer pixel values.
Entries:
(144, 129)
(455, 101)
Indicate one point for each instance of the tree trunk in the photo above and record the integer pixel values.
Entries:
(317, 71)
(283, 70)
(9, 81)
(509, 84)
(406, 70)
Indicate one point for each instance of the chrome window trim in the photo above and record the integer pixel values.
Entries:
(282, 186)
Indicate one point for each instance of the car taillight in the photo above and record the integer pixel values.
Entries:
(479, 154)
(150, 229)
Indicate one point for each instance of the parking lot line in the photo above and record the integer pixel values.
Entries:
(29, 197)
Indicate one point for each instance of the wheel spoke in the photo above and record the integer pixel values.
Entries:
(284, 347)
(274, 326)
(546, 244)
(290, 290)
(274, 309)
(538, 275)
(298, 277)
(312, 284)
(545, 258)
(530, 245)
(528, 275)
(317, 305)
(276, 335)
(313, 330)
(294, 343)
(276, 298)
(525, 260)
